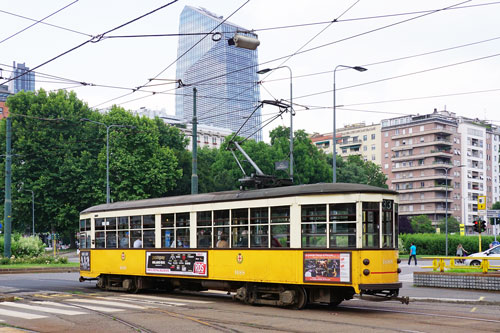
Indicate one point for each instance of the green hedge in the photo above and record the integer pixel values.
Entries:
(435, 244)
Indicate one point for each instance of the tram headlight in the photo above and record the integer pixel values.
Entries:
(399, 270)
(366, 272)
(399, 261)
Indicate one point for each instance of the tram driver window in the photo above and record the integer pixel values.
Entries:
(342, 225)
(313, 226)
(371, 231)
(387, 223)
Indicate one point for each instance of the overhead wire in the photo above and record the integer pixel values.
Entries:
(94, 39)
(45, 23)
(37, 22)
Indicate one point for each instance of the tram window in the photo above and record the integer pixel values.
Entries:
(239, 216)
(204, 218)
(396, 224)
(280, 214)
(314, 235)
(111, 239)
(280, 235)
(99, 224)
(182, 237)
(148, 221)
(167, 237)
(82, 225)
(371, 216)
(343, 212)
(204, 237)
(135, 235)
(167, 220)
(239, 236)
(83, 238)
(314, 213)
(124, 241)
(111, 223)
(387, 223)
(149, 238)
(87, 224)
(182, 220)
(123, 222)
(221, 238)
(259, 215)
(135, 222)
(259, 235)
(221, 217)
(342, 235)
(99, 240)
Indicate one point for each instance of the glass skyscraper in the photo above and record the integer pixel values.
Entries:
(25, 82)
(225, 76)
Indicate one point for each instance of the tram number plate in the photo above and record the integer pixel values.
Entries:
(85, 260)
(177, 263)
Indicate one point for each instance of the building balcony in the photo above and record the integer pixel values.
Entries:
(422, 144)
(426, 212)
(422, 201)
(445, 154)
(416, 133)
(434, 165)
(418, 178)
(438, 188)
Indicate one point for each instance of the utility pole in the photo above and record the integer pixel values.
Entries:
(194, 174)
(8, 197)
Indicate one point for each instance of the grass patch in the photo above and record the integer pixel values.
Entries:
(71, 264)
(464, 270)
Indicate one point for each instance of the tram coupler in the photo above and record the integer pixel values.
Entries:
(82, 279)
(374, 298)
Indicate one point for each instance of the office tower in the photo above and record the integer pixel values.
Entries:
(25, 82)
(224, 75)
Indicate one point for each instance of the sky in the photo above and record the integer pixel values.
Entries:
(419, 55)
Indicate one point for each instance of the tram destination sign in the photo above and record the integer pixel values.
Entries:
(177, 263)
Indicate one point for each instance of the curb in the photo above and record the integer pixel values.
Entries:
(39, 270)
(455, 301)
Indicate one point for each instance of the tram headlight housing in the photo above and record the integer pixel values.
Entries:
(366, 261)
(366, 272)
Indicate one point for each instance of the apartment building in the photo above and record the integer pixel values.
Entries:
(440, 164)
(356, 139)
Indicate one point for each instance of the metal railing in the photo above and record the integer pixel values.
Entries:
(439, 263)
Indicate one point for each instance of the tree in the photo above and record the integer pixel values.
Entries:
(453, 224)
(405, 225)
(422, 224)
(63, 159)
(354, 170)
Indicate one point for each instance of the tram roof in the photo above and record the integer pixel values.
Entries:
(236, 195)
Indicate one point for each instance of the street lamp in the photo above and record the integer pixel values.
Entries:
(107, 149)
(334, 139)
(446, 205)
(32, 209)
(263, 71)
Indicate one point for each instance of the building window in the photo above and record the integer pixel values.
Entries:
(422, 128)
(365, 148)
(373, 157)
(386, 134)
(386, 144)
(365, 137)
(374, 147)
(373, 136)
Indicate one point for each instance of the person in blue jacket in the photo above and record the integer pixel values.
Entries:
(413, 253)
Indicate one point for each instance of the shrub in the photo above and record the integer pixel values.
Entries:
(24, 246)
(435, 244)
(42, 259)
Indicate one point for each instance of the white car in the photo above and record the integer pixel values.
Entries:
(493, 255)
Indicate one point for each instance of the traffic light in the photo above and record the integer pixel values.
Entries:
(476, 226)
(483, 226)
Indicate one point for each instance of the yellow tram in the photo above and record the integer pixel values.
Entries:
(285, 246)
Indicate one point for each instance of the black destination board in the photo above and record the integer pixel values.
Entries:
(177, 263)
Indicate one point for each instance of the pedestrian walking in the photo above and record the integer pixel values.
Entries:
(413, 253)
(461, 253)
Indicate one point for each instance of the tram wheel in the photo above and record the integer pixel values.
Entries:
(301, 298)
(134, 289)
(335, 303)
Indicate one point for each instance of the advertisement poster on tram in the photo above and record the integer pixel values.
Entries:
(177, 263)
(327, 267)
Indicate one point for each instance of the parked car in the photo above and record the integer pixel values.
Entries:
(493, 255)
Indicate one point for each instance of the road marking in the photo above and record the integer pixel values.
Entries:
(166, 299)
(42, 309)
(55, 304)
(17, 314)
(481, 298)
(473, 309)
(101, 301)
